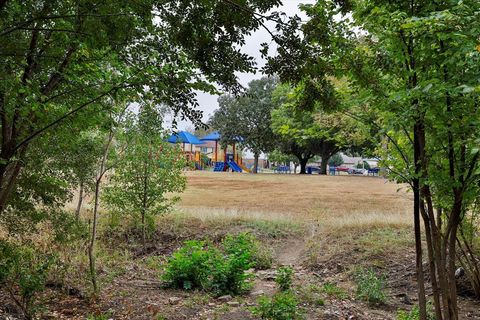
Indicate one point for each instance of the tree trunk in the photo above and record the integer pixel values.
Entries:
(9, 173)
(431, 239)
(255, 162)
(419, 255)
(144, 199)
(143, 228)
(417, 151)
(303, 165)
(91, 247)
(323, 164)
(452, 228)
(80, 201)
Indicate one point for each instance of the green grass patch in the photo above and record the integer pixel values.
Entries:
(273, 228)
(333, 290)
(370, 287)
(282, 306)
(311, 294)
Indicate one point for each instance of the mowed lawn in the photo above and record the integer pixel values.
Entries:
(341, 201)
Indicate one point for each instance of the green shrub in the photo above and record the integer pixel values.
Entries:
(284, 278)
(101, 316)
(247, 245)
(414, 314)
(370, 288)
(227, 273)
(188, 267)
(200, 265)
(282, 306)
(243, 244)
(24, 272)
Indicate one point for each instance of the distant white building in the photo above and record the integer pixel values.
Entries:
(352, 162)
(373, 163)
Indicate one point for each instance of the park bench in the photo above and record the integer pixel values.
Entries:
(282, 169)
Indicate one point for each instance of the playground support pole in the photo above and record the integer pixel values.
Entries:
(234, 152)
(216, 148)
(191, 153)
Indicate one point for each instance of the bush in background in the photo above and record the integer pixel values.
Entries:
(282, 306)
(23, 273)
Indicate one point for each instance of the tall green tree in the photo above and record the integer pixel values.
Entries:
(416, 64)
(432, 49)
(431, 78)
(305, 130)
(247, 119)
(61, 60)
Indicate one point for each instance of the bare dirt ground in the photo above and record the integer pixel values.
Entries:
(324, 227)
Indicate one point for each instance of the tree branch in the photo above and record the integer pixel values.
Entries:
(57, 75)
(23, 24)
(404, 157)
(59, 120)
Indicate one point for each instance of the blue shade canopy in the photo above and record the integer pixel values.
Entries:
(184, 137)
(214, 136)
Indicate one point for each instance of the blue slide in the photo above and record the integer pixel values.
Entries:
(234, 166)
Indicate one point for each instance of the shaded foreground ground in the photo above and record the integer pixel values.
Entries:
(324, 227)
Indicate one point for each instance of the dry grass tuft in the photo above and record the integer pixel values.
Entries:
(365, 220)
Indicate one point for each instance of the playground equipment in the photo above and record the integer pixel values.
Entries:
(234, 166)
(185, 137)
(229, 160)
(226, 160)
(244, 168)
(219, 167)
(223, 166)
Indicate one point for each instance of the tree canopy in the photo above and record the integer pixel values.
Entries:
(415, 65)
(64, 62)
(306, 130)
(246, 119)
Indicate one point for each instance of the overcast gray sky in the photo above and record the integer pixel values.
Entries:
(208, 103)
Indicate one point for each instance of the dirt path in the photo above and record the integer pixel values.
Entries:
(290, 253)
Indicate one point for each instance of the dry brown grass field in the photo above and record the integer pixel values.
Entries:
(331, 201)
(326, 228)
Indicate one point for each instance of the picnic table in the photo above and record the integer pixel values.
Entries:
(282, 169)
(373, 171)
